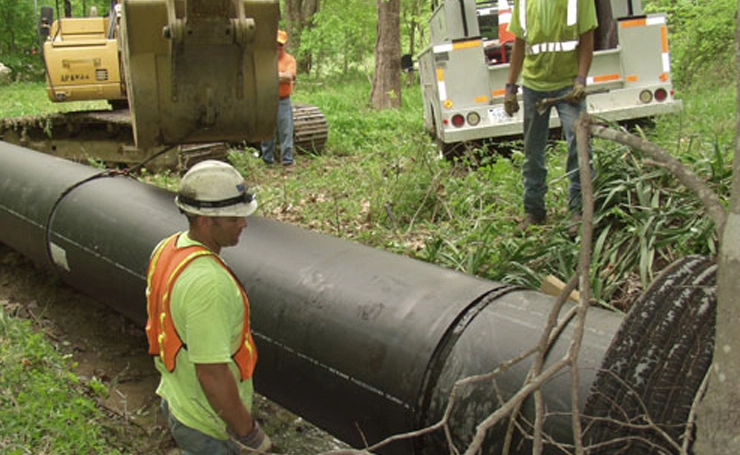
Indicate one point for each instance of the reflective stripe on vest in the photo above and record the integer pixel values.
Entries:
(571, 20)
(167, 263)
(565, 46)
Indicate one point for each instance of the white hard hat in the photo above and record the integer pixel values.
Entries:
(214, 188)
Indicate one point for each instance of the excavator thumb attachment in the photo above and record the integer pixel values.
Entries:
(200, 70)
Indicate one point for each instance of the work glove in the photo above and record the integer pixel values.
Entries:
(578, 93)
(255, 442)
(511, 104)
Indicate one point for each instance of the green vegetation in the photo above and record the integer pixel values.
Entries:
(701, 34)
(45, 407)
(30, 98)
(381, 183)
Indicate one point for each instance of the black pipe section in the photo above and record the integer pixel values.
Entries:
(358, 341)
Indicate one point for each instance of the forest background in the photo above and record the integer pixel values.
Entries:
(337, 37)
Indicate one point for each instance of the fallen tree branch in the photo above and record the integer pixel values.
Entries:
(584, 267)
(543, 346)
(549, 335)
(513, 402)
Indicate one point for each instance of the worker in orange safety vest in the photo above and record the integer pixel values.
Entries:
(198, 319)
(287, 69)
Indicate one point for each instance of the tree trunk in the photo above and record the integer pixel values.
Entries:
(413, 12)
(386, 91)
(718, 416)
(299, 16)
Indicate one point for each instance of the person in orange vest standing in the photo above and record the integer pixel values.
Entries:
(284, 131)
(198, 319)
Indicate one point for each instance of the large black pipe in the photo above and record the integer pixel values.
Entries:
(361, 342)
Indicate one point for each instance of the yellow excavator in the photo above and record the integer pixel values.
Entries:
(183, 78)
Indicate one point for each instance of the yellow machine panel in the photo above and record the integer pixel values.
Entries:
(82, 62)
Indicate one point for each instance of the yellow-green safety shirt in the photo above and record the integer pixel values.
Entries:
(551, 30)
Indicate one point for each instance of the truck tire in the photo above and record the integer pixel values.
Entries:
(655, 365)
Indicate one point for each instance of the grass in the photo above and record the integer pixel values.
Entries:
(30, 99)
(45, 407)
(380, 182)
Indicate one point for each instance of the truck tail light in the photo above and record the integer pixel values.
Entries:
(458, 120)
(661, 95)
(473, 119)
(646, 96)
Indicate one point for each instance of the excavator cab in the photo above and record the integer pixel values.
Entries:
(81, 60)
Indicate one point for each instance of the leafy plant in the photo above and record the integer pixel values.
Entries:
(44, 408)
(700, 37)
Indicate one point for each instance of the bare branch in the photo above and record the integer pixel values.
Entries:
(628, 422)
(549, 335)
(513, 402)
(543, 346)
(442, 423)
(346, 452)
(584, 267)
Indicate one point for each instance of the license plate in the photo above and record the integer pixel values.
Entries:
(498, 115)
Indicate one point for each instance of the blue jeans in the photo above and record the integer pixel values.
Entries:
(193, 442)
(284, 133)
(536, 131)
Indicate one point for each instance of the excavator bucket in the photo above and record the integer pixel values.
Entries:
(200, 71)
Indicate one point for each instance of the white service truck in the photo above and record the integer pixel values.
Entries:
(463, 72)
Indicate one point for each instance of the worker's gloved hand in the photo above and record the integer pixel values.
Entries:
(256, 440)
(511, 104)
(578, 93)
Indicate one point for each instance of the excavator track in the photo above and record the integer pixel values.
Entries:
(310, 130)
(88, 136)
(106, 136)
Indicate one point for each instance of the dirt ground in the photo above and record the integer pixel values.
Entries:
(108, 347)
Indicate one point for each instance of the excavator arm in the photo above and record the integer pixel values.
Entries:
(200, 70)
